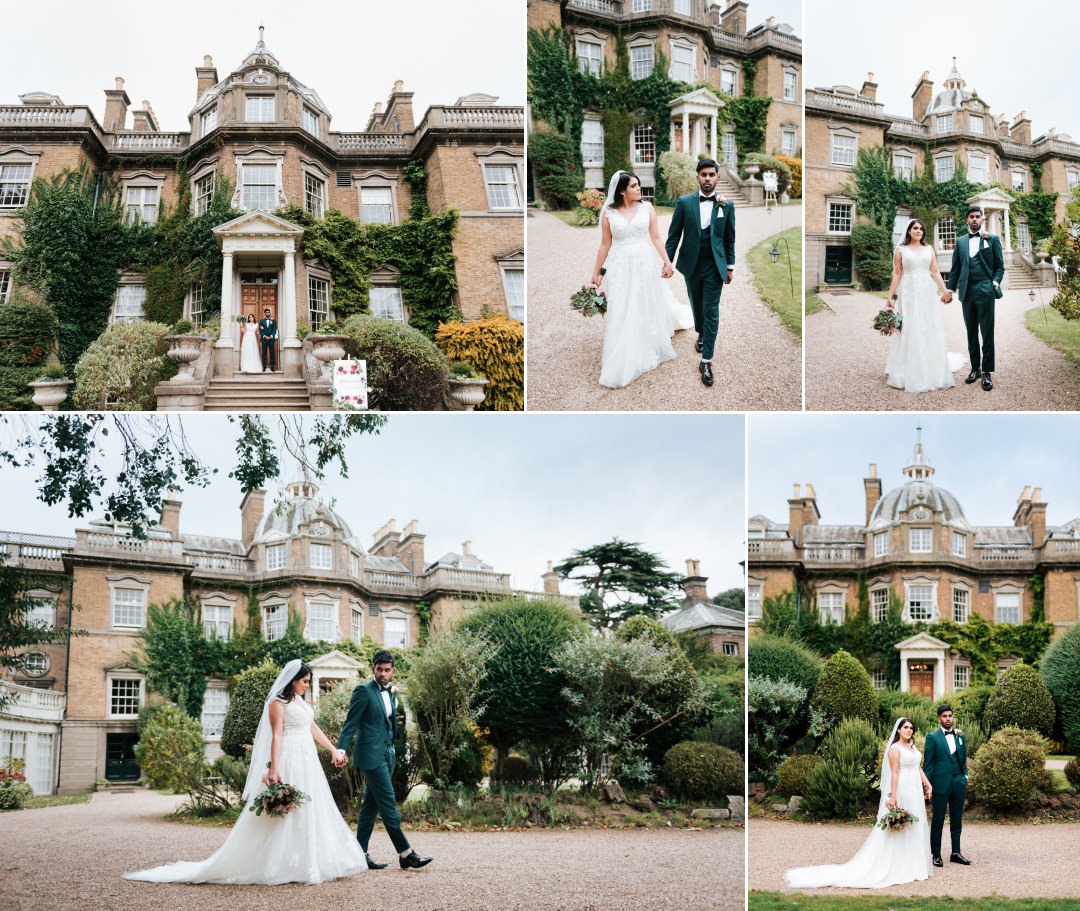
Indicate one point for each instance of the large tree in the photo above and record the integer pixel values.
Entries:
(732, 598)
(621, 580)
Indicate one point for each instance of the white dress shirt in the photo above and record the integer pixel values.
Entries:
(950, 739)
(386, 702)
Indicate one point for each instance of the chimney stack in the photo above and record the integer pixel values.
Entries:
(251, 513)
(872, 484)
(922, 96)
(733, 18)
(116, 107)
(1020, 129)
(144, 120)
(694, 584)
(869, 87)
(411, 548)
(206, 77)
(551, 581)
(170, 513)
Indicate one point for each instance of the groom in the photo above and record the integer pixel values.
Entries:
(705, 224)
(978, 267)
(945, 766)
(370, 726)
(267, 337)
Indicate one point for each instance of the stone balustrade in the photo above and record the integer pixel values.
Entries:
(128, 545)
(479, 117)
(150, 142)
(31, 702)
(834, 553)
(366, 142)
(219, 563)
(17, 115)
(1006, 555)
(908, 128)
(846, 103)
(34, 551)
(603, 7)
(383, 579)
(765, 547)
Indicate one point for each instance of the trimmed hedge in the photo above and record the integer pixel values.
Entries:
(517, 770)
(495, 348)
(969, 704)
(246, 699)
(794, 772)
(27, 335)
(844, 690)
(406, 371)
(1022, 700)
(1060, 670)
(778, 658)
(1010, 767)
(703, 770)
(121, 368)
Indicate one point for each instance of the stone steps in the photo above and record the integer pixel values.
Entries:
(260, 392)
(1017, 278)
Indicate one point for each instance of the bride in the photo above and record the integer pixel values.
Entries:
(919, 359)
(886, 858)
(312, 843)
(250, 362)
(642, 313)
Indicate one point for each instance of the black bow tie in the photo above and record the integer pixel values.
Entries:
(707, 199)
(385, 689)
(975, 234)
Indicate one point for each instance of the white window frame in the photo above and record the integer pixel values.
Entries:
(131, 293)
(682, 7)
(729, 80)
(36, 664)
(961, 676)
(642, 60)
(43, 613)
(881, 544)
(314, 194)
(262, 105)
(209, 120)
(878, 678)
(110, 695)
(318, 300)
(5, 285)
(1000, 609)
(944, 167)
(310, 121)
(590, 56)
(903, 165)
(686, 65)
(196, 306)
(642, 144)
(831, 607)
(513, 279)
(275, 619)
(276, 556)
(396, 617)
(503, 185)
(217, 617)
(641, 6)
(945, 233)
(592, 142)
(387, 302)
(356, 622)
(879, 605)
(959, 544)
(982, 160)
(974, 119)
(843, 148)
(261, 159)
(943, 123)
(144, 208)
(15, 183)
(212, 699)
(377, 205)
(961, 604)
(1019, 179)
(1023, 236)
(915, 592)
(730, 648)
(326, 623)
(788, 141)
(376, 180)
(203, 195)
(354, 565)
(728, 146)
(128, 585)
(920, 540)
(835, 219)
(754, 598)
(1072, 178)
(791, 84)
(320, 555)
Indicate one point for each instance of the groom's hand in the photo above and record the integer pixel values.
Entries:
(727, 281)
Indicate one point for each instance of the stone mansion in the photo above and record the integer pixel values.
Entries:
(957, 126)
(709, 44)
(271, 136)
(916, 543)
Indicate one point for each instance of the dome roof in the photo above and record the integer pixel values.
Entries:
(301, 507)
(919, 489)
(953, 96)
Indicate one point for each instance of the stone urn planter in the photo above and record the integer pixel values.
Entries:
(49, 394)
(752, 170)
(1041, 256)
(326, 349)
(185, 350)
(468, 392)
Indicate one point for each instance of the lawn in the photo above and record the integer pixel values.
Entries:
(56, 800)
(1049, 326)
(814, 304)
(773, 282)
(775, 901)
(567, 216)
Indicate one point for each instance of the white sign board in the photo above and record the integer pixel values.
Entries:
(770, 180)
(350, 385)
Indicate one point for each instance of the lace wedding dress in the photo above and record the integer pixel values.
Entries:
(312, 844)
(919, 359)
(250, 362)
(885, 858)
(643, 313)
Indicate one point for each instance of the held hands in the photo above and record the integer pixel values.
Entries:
(339, 759)
(946, 297)
(667, 271)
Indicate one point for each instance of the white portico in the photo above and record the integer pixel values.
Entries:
(995, 204)
(691, 115)
(923, 660)
(258, 272)
(328, 670)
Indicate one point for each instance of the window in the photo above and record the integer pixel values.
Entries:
(644, 147)
(259, 109)
(976, 123)
(42, 615)
(209, 121)
(682, 6)
(590, 57)
(354, 565)
(197, 309)
(879, 605)
(214, 709)
(840, 214)
(127, 607)
(944, 123)
(1023, 236)
(592, 142)
(502, 186)
(961, 605)
(386, 302)
(959, 544)
(903, 165)
(514, 288)
(878, 679)
(14, 184)
(5, 286)
(260, 186)
(322, 621)
(978, 168)
(787, 142)
(142, 204)
(13, 744)
(682, 63)
(961, 677)
(204, 193)
(944, 168)
(125, 697)
(395, 632)
(376, 206)
(1019, 181)
(946, 233)
(216, 621)
(320, 556)
(1072, 178)
(275, 556)
(727, 81)
(356, 625)
(1007, 607)
(129, 302)
(789, 85)
(920, 541)
(36, 664)
(275, 621)
(318, 292)
(311, 121)
(753, 602)
(843, 149)
(314, 193)
(881, 544)
(831, 606)
(920, 606)
(730, 648)
(641, 61)
(727, 144)
(642, 6)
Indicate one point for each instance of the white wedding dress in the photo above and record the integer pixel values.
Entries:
(919, 359)
(643, 313)
(250, 362)
(311, 844)
(885, 858)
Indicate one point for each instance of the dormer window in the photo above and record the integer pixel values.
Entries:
(921, 541)
(259, 109)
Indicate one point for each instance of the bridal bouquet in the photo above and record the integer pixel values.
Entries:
(896, 820)
(590, 299)
(277, 799)
(887, 321)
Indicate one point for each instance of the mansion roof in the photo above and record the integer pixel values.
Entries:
(703, 615)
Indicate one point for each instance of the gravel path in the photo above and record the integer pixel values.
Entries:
(758, 363)
(845, 363)
(1013, 861)
(72, 857)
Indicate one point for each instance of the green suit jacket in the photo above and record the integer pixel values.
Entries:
(368, 730)
(686, 225)
(938, 764)
(991, 256)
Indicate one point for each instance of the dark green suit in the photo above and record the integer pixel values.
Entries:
(947, 774)
(978, 280)
(369, 732)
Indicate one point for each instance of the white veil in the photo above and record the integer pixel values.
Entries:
(610, 198)
(260, 749)
(886, 769)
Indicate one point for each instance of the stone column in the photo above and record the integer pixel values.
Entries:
(291, 348)
(671, 124)
(712, 137)
(686, 132)
(223, 347)
(1008, 232)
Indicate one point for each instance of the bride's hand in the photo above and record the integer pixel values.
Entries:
(667, 271)
(890, 804)
(595, 280)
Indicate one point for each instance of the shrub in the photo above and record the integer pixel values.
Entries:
(27, 335)
(517, 770)
(835, 789)
(772, 709)
(14, 789)
(559, 175)
(495, 347)
(1022, 700)
(680, 172)
(1010, 767)
(346, 784)
(893, 704)
(872, 246)
(795, 167)
(406, 372)
(779, 658)
(460, 370)
(183, 327)
(246, 699)
(854, 740)
(844, 690)
(792, 776)
(700, 771)
(969, 704)
(1060, 670)
(769, 163)
(590, 203)
(52, 372)
(170, 748)
(1072, 772)
(121, 368)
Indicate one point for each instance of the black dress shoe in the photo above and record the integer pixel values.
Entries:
(987, 383)
(413, 861)
(698, 345)
(938, 862)
(706, 373)
(972, 377)
(959, 858)
(372, 865)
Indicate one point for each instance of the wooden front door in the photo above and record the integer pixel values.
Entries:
(254, 299)
(120, 764)
(922, 683)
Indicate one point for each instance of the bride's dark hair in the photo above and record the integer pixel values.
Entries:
(251, 317)
(287, 693)
(907, 233)
(900, 724)
(620, 186)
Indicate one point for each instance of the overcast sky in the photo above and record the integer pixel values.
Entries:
(349, 52)
(984, 461)
(789, 11)
(524, 489)
(1017, 57)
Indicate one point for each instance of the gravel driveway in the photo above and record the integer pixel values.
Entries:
(757, 364)
(1012, 861)
(72, 857)
(845, 362)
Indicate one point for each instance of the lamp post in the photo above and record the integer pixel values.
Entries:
(1042, 304)
(775, 254)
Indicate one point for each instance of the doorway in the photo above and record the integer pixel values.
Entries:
(838, 265)
(120, 764)
(921, 680)
(259, 292)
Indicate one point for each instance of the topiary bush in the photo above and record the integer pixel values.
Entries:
(1072, 772)
(793, 773)
(406, 371)
(795, 167)
(969, 704)
(844, 690)
(1060, 671)
(1010, 767)
(27, 335)
(246, 698)
(517, 770)
(495, 348)
(556, 161)
(121, 368)
(14, 788)
(1022, 700)
(701, 771)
